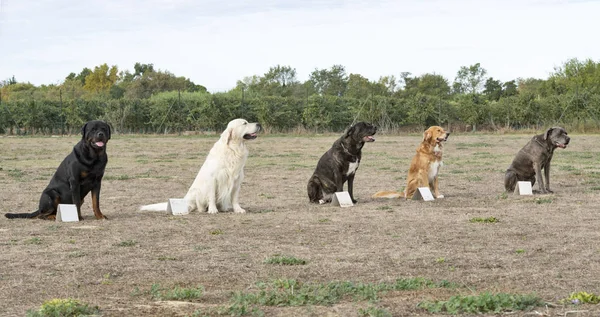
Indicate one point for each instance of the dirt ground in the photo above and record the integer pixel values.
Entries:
(543, 244)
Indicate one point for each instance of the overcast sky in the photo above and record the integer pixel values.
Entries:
(217, 42)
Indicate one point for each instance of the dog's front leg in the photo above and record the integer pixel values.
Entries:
(350, 187)
(436, 188)
(235, 194)
(547, 174)
(538, 176)
(212, 198)
(76, 194)
(96, 201)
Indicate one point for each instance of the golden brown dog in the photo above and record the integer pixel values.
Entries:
(424, 166)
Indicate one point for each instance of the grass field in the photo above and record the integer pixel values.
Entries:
(286, 257)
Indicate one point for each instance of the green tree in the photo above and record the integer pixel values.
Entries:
(358, 86)
(101, 79)
(493, 89)
(278, 81)
(470, 79)
(329, 82)
(509, 88)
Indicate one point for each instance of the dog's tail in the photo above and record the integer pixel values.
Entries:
(154, 207)
(388, 194)
(23, 215)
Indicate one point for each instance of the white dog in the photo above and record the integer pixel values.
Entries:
(217, 185)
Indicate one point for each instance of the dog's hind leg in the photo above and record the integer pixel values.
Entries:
(315, 193)
(510, 181)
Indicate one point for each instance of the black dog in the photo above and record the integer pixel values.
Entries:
(535, 156)
(78, 174)
(339, 164)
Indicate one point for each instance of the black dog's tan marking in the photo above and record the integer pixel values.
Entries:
(78, 174)
(535, 156)
(339, 164)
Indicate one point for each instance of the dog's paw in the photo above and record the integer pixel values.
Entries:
(212, 210)
(440, 196)
(354, 201)
(321, 201)
(239, 210)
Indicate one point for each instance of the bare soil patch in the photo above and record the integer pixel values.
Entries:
(545, 244)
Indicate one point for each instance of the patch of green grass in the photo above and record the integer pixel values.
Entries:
(483, 304)
(166, 258)
(34, 240)
(387, 208)
(121, 177)
(567, 168)
(504, 195)
(176, 293)
(324, 220)
(543, 200)
(53, 227)
(63, 308)
(454, 171)
(290, 292)
(284, 260)
(484, 220)
(77, 254)
(576, 298)
(519, 251)
(263, 211)
(440, 260)
(595, 188)
(267, 196)
(216, 232)
(106, 279)
(373, 311)
(126, 243)
(470, 145)
(475, 178)
(16, 173)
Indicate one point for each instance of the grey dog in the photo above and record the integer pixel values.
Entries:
(535, 156)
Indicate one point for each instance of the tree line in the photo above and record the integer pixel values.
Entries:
(147, 100)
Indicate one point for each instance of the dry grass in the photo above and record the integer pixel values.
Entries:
(546, 244)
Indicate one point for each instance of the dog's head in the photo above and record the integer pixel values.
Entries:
(557, 136)
(240, 129)
(362, 132)
(96, 134)
(435, 135)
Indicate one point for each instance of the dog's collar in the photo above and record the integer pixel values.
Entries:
(346, 150)
(548, 149)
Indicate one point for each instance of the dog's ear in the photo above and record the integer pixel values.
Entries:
(427, 135)
(547, 134)
(108, 131)
(229, 135)
(350, 131)
(83, 130)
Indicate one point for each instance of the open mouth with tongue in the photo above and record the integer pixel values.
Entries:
(250, 136)
(438, 140)
(98, 144)
(369, 138)
(561, 145)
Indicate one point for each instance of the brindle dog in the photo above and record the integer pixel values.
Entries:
(339, 164)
